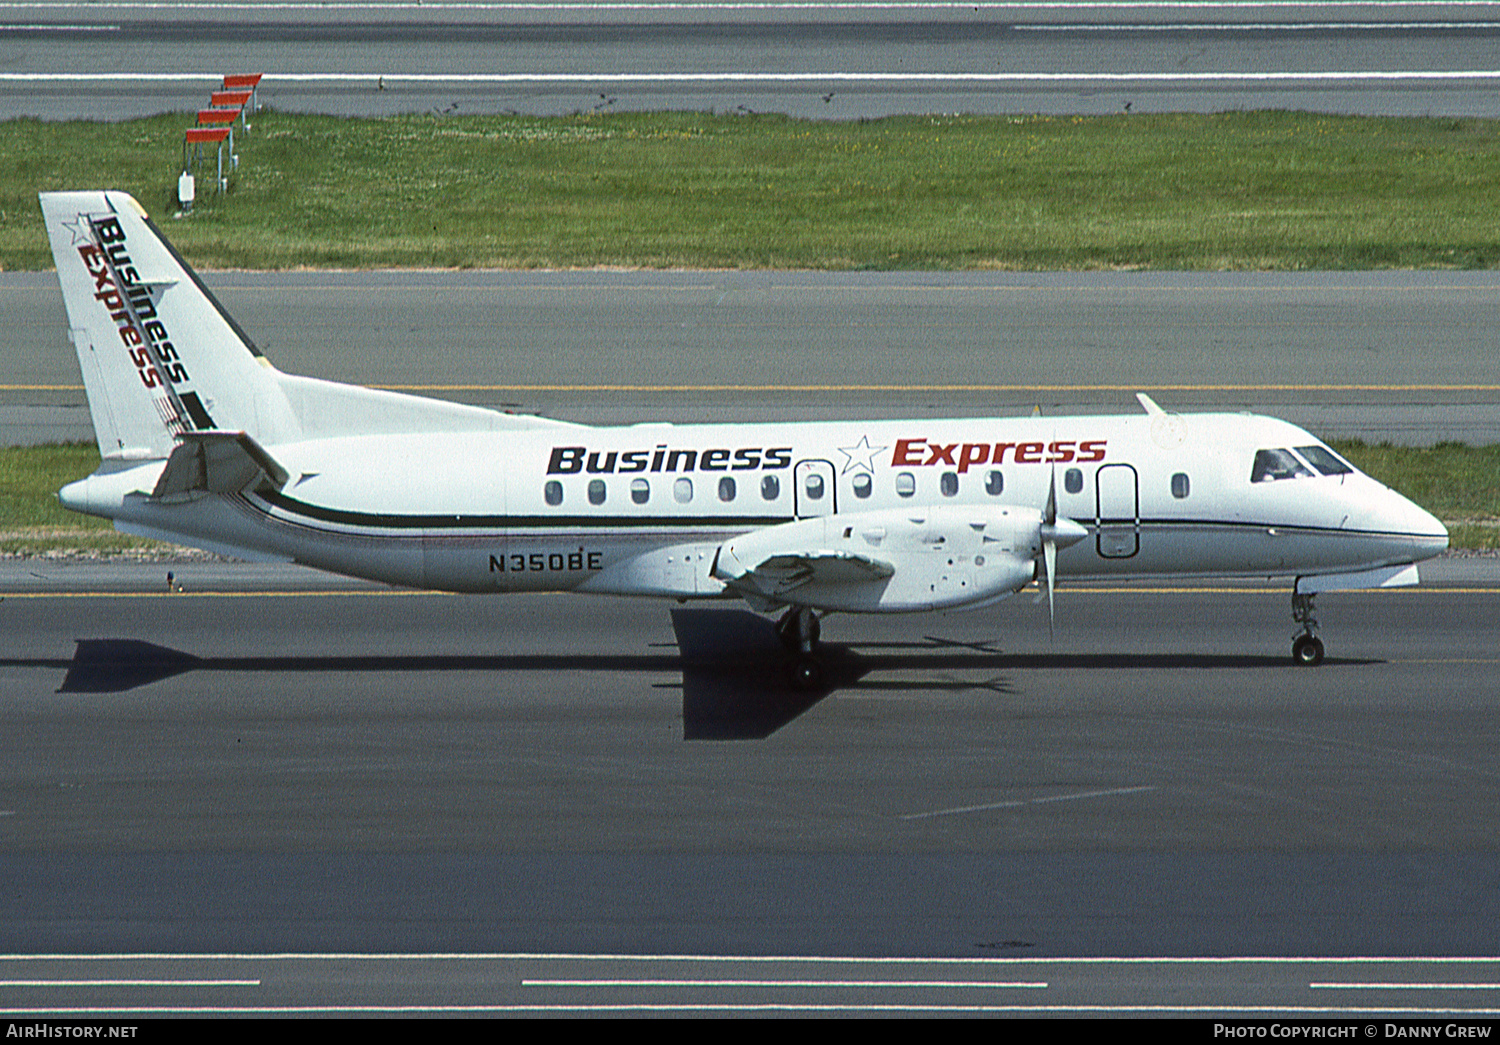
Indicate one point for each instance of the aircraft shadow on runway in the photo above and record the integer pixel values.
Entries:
(735, 675)
(734, 669)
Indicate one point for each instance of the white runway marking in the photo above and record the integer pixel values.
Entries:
(1405, 986)
(1251, 27)
(1330, 76)
(1028, 802)
(425, 7)
(129, 983)
(944, 984)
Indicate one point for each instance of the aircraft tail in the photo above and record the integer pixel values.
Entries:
(160, 356)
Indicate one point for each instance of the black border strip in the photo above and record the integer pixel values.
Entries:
(372, 520)
(375, 520)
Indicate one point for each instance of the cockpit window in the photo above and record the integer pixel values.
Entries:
(1324, 460)
(1271, 465)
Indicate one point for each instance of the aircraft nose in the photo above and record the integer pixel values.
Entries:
(1425, 530)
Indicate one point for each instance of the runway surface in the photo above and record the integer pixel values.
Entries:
(1407, 357)
(548, 775)
(820, 60)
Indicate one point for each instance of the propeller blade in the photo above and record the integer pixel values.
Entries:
(1050, 531)
(1049, 556)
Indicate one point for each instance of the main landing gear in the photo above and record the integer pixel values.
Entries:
(1307, 648)
(798, 629)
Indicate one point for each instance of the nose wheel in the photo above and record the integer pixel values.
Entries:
(1307, 648)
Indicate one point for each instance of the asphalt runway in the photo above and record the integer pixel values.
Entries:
(1406, 356)
(815, 60)
(549, 775)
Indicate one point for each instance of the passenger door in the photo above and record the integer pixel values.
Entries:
(1118, 511)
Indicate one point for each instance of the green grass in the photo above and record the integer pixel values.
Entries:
(1460, 484)
(31, 520)
(1264, 190)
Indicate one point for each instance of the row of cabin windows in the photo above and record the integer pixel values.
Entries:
(863, 484)
(682, 490)
(813, 487)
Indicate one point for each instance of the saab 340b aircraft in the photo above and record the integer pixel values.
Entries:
(205, 443)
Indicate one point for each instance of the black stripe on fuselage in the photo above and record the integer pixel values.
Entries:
(434, 521)
(1239, 524)
(391, 521)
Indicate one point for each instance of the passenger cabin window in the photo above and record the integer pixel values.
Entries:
(726, 488)
(1271, 465)
(1073, 480)
(863, 484)
(553, 492)
(994, 483)
(906, 484)
(1324, 460)
(770, 487)
(1180, 485)
(948, 484)
(682, 490)
(596, 491)
(640, 491)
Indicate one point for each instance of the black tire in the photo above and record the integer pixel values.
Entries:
(806, 674)
(787, 632)
(1308, 650)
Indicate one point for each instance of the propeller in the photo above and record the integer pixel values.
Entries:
(1055, 533)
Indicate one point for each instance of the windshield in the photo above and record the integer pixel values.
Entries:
(1271, 465)
(1324, 460)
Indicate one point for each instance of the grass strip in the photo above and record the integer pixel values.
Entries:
(1460, 484)
(1259, 190)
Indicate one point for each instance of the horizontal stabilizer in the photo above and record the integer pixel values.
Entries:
(217, 462)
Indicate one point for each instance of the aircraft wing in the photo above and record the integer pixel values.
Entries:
(894, 560)
(780, 574)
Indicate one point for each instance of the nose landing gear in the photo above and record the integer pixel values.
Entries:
(1307, 648)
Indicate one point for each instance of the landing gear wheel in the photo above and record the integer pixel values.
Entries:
(791, 627)
(1308, 650)
(806, 674)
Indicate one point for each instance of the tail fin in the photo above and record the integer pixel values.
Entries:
(160, 356)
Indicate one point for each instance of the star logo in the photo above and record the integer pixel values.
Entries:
(861, 456)
(82, 229)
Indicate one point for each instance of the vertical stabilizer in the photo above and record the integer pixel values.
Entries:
(159, 355)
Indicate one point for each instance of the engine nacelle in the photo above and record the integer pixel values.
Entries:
(892, 561)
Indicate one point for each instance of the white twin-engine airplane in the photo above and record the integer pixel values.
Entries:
(205, 443)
